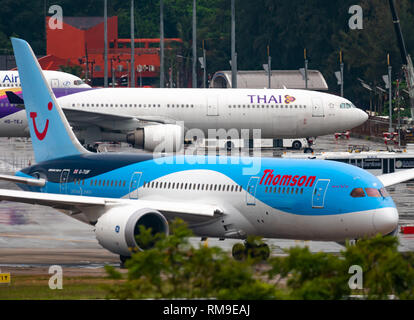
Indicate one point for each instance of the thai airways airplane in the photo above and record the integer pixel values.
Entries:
(56, 79)
(13, 122)
(144, 117)
(218, 197)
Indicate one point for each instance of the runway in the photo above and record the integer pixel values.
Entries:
(34, 237)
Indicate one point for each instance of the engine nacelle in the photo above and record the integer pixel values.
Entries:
(162, 138)
(117, 228)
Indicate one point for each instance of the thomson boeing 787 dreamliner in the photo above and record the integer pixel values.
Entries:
(218, 197)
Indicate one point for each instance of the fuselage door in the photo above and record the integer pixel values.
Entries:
(212, 105)
(54, 83)
(64, 178)
(317, 107)
(251, 191)
(319, 192)
(133, 186)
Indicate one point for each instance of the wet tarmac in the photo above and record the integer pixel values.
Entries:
(35, 236)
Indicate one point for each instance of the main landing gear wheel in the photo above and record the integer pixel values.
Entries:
(251, 249)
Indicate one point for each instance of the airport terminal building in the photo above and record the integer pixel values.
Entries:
(256, 79)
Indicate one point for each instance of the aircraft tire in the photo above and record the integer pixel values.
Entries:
(239, 251)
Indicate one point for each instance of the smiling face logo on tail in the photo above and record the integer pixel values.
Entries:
(33, 115)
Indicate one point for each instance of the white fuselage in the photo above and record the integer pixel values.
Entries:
(282, 113)
(304, 114)
(56, 79)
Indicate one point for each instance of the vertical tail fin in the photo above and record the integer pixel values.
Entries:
(51, 134)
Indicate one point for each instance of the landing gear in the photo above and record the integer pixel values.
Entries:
(123, 259)
(229, 146)
(309, 148)
(251, 248)
(91, 148)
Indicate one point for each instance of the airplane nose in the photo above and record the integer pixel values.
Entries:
(362, 116)
(385, 220)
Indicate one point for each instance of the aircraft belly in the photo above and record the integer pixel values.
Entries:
(285, 126)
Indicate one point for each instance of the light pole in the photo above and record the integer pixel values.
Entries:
(306, 69)
(161, 44)
(341, 64)
(194, 77)
(269, 64)
(389, 91)
(105, 44)
(233, 47)
(132, 46)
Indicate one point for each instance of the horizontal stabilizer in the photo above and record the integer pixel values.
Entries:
(390, 179)
(29, 181)
(14, 98)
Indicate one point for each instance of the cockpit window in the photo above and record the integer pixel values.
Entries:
(384, 192)
(372, 192)
(78, 82)
(345, 106)
(358, 193)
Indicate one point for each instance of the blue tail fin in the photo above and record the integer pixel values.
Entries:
(51, 134)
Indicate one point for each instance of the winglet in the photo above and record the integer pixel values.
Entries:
(51, 134)
(390, 179)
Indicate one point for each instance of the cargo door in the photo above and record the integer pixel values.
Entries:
(54, 83)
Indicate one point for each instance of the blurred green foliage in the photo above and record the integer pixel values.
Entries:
(173, 268)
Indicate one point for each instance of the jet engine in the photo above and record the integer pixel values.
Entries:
(162, 138)
(117, 228)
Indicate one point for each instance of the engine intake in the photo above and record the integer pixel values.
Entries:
(117, 229)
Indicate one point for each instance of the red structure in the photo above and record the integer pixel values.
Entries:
(81, 42)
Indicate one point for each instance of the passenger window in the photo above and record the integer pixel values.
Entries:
(358, 193)
(372, 192)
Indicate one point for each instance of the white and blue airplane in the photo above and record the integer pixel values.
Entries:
(217, 197)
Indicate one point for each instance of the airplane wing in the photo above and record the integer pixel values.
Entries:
(390, 179)
(189, 212)
(112, 121)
